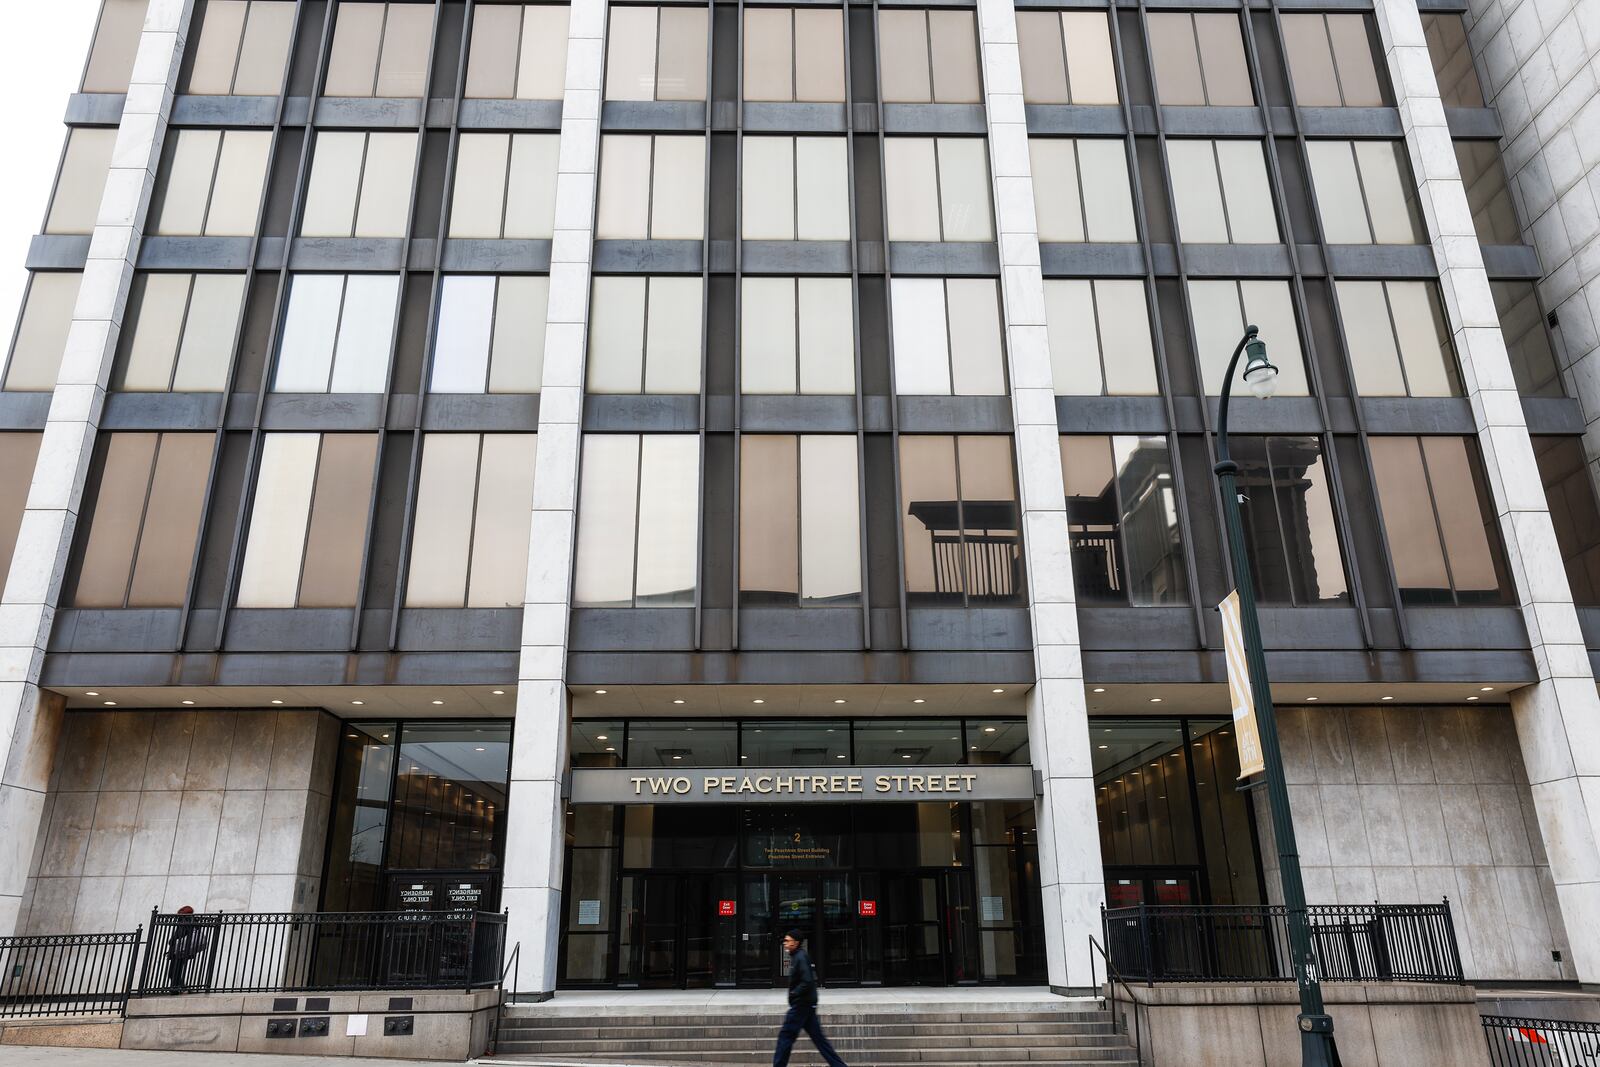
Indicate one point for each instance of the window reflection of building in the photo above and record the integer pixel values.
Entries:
(1122, 515)
(1290, 534)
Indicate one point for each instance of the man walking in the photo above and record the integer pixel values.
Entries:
(802, 1007)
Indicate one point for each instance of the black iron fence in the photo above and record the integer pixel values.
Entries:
(1363, 943)
(67, 974)
(1519, 1042)
(294, 952)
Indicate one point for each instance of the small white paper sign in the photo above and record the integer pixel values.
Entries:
(355, 1026)
(992, 909)
(588, 913)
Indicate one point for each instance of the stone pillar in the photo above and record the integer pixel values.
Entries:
(44, 540)
(1058, 728)
(1557, 717)
(535, 838)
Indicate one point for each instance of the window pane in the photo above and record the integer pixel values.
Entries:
(624, 184)
(1196, 194)
(1044, 68)
(403, 63)
(542, 70)
(353, 61)
(767, 335)
(336, 534)
(1244, 181)
(1386, 180)
(952, 43)
(519, 326)
(1469, 543)
(678, 189)
(921, 344)
(153, 329)
(305, 348)
(492, 59)
(187, 188)
(631, 54)
(827, 336)
(461, 341)
(1267, 304)
(270, 577)
(531, 197)
(977, 363)
(265, 51)
(1088, 473)
(819, 55)
(616, 335)
(42, 331)
(1338, 193)
(1090, 68)
(1305, 512)
(990, 540)
(822, 208)
(769, 528)
(442, 536)
(607, 506)
(1129, 357)
(1148, 521)
(116, 42)
(1305, 43)
(912, 183)
(18, 453)
(1107, 196)
(1055, 188)
(1408, 520)
(207, 350)
(672, 336)
(330, 206)
(964, 189)
(1424, 339)
(1369, 339)
(830, 520)
(171, 521)
(930, 518)
(218, 46)
(1174, 59)
(768, 182)
(366, 326)
(1352, 50)
(76, 203)
(241, 173)
(1533, 362)
(681, 71)
(1493, 214)
(386, 185)
(1452, 59)
(1222, 54)
(114, 528)
(769, 53)
(480, 187)
(903, 56)
(500, 527)
(1568, 488)
(669, 509)
(1074, 346)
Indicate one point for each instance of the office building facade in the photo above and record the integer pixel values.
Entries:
(678, 472)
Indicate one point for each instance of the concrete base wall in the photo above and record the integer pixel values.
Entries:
(62, 1033)
(444, 1026)
(1375, 1025)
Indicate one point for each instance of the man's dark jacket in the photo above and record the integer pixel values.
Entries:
(802, 981)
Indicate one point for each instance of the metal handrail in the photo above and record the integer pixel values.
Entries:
(1113, 979)
(512, 968)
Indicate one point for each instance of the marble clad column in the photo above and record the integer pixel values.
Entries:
(27, 607)
(1557, 717)
(534, 852)
(1058, 729)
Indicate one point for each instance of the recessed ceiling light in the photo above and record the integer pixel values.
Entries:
(358, 703)
(1155, 700)
(277, 702)
(905, 756)
(1386, 698)
(602, 737)
(1311, 698)
(109, 703)
(1472, 698)
(918, 700)
(1487, 689)
(974, 748)
(677, 702)
(840, 756)
(988, 729)
(839, 700)
(478, 749)
(437, 702)
(499, 692)
(187, 702)
(758, 700)
(599, 692)
(677, 757)
(1099, 689)
(997, 690)
(610, 750)
(91, 693)
(1104, 747)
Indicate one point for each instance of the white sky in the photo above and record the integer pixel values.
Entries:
(42, 54)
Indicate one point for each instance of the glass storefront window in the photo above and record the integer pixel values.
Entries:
(360, 817)
(998, 741)
(891, 742)
(597, 744)
(682, 744)
(820, 743)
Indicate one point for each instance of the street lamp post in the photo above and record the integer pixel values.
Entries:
(1317, 1048)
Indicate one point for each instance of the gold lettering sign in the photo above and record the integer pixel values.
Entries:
(793, 784)
(728, 785)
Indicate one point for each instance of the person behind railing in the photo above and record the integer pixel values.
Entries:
(188, 942)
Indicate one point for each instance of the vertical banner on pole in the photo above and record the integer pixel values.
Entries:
(1240, 696)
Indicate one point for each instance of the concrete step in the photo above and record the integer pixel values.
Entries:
(747, 1042)
(932, 1033)
(1107, 1057)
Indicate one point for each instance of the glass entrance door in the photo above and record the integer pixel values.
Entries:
(647, 949)
(913, 942)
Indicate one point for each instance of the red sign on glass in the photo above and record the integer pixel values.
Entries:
(727, 907)
(868, 908)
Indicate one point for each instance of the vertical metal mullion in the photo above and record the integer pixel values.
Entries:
(1438, 521)
(238, 51)
(296, 208)
(705, 338)
(144, 513)
(862, 556)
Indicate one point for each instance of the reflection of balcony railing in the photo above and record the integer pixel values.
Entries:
(973, 544)
(66, 974)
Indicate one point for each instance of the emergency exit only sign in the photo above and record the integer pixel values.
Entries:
(727, 907)
(868, 908)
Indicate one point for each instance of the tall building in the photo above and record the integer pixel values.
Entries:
(678, 473)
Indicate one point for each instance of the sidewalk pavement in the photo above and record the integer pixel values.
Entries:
(34, 1056)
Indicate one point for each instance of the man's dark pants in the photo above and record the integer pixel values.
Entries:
(805, 1019)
